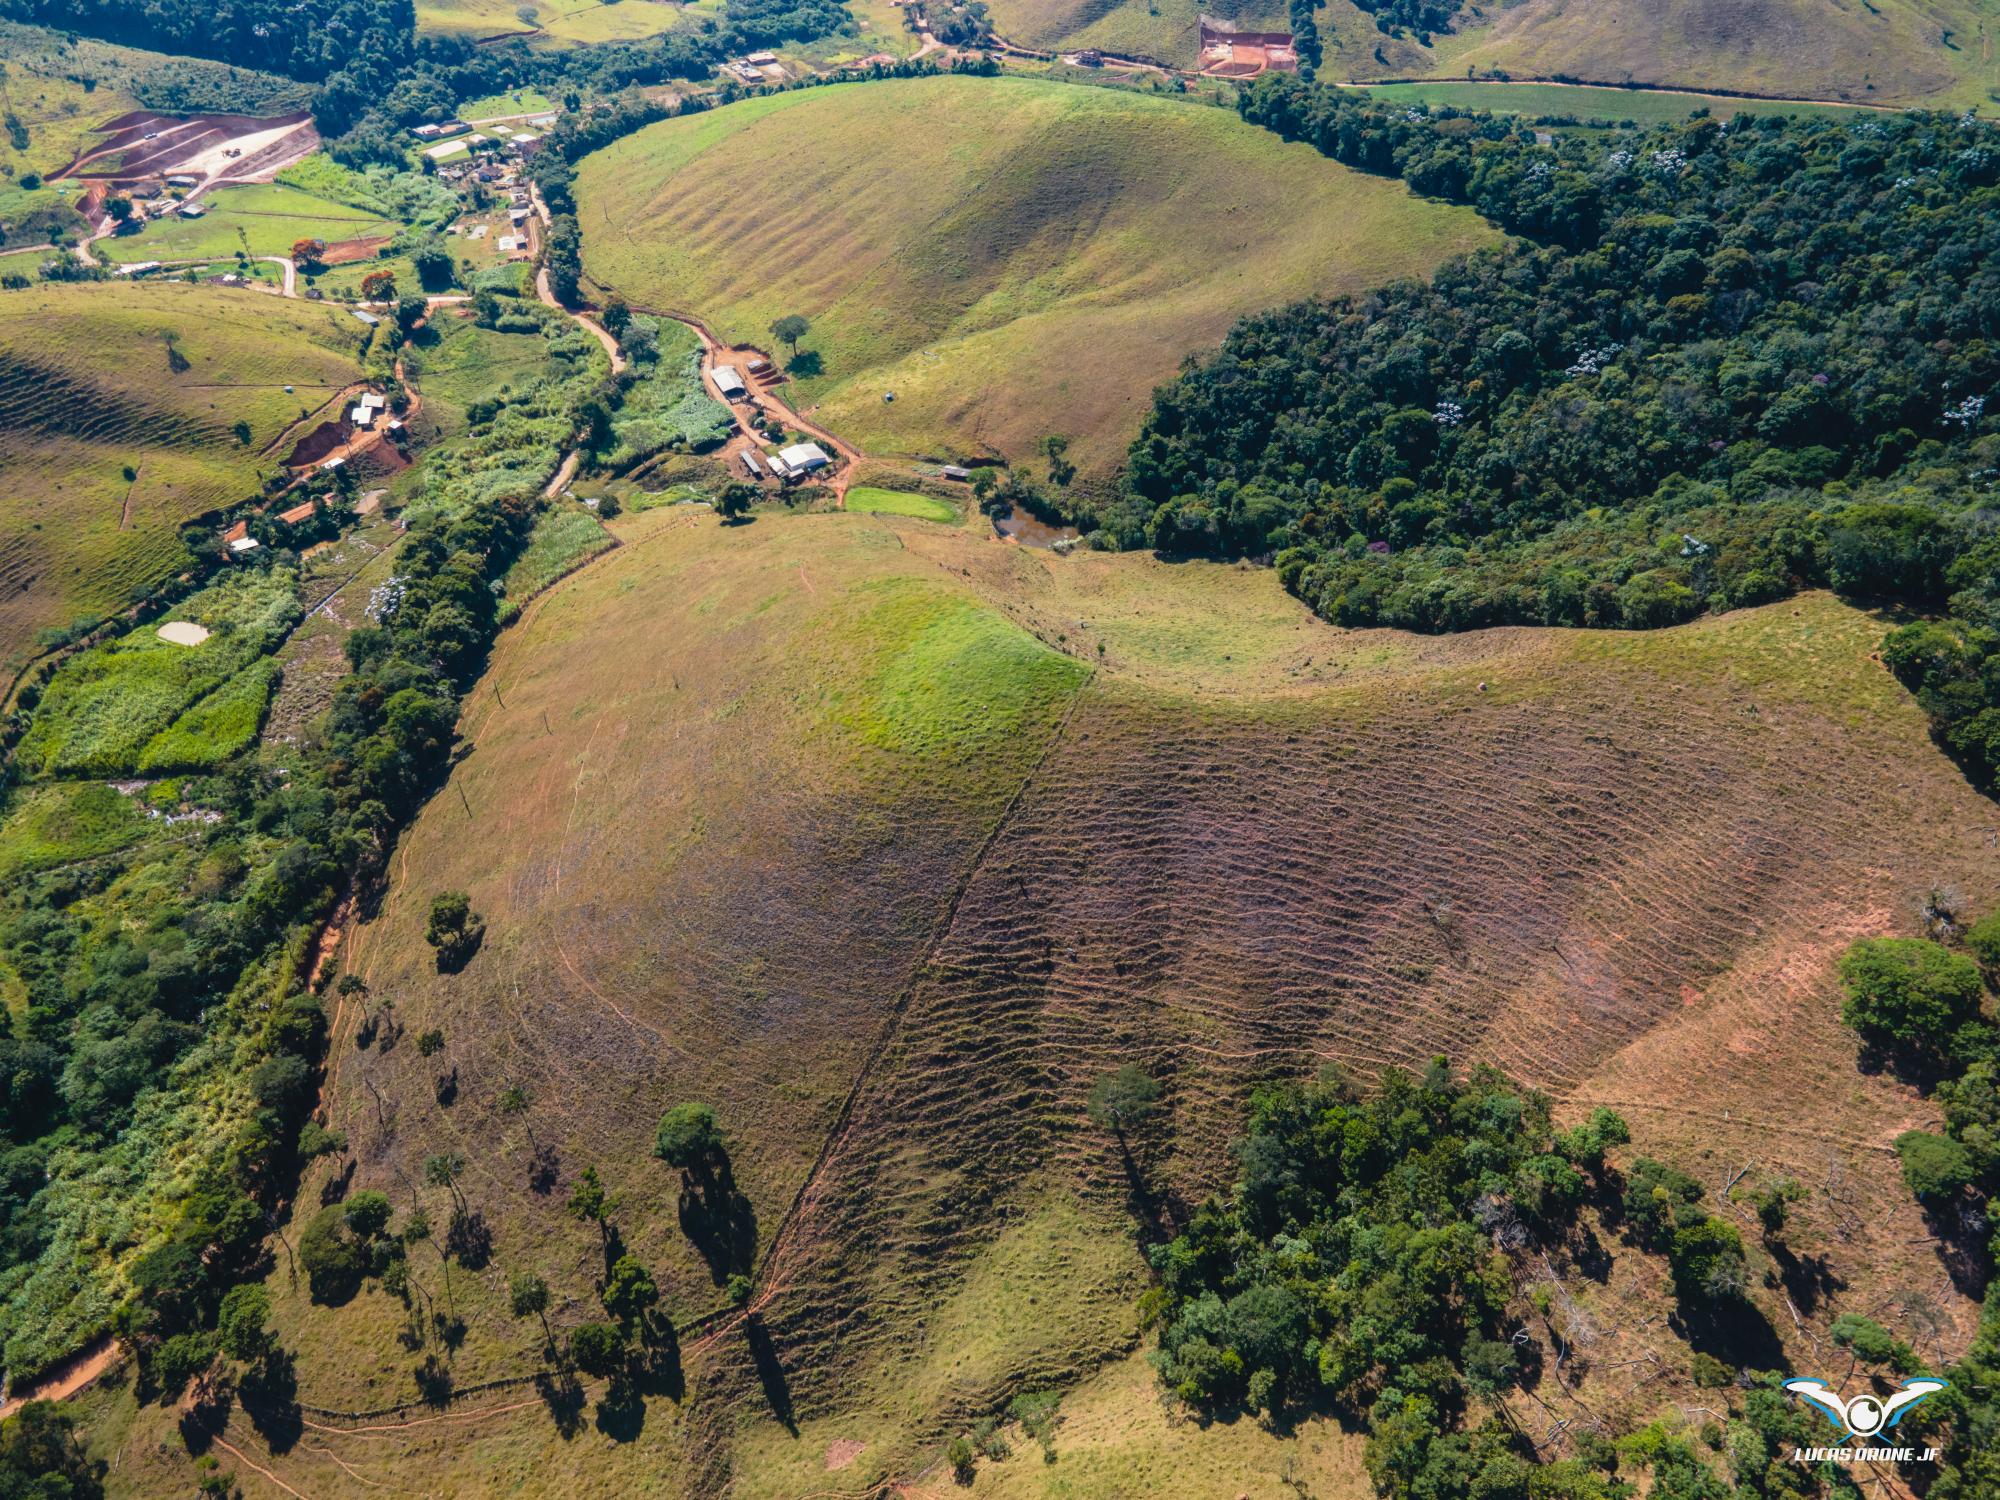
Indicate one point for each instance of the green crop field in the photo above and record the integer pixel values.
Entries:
(885, 840)
(90, 391)
(147, 702)
(867, 498)
(457, 363)
(263, 218)
(1008, 258)
(1932, 53)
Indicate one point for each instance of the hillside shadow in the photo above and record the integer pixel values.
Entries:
(771, 1373)
(1732, 1330)
(720, 1223)
(270, 1391)
(563, 1395)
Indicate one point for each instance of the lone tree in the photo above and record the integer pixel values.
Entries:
(378, 286)
(690, 1138)
(791, 328)
(630, 1292)
(1123, 1100)
(119, 207)
(734, 501)
(455, 930)
(308, 251)
(590, 1204)
(529, 1297)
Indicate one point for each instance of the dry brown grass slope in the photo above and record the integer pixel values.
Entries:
(741, 802)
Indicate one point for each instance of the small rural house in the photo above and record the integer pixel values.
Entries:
(804, 458)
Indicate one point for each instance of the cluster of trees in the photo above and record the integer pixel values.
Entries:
(1421, 18)
(1732, 361)
(1358, 1260)
(1369, 1258)
(1926, 1006)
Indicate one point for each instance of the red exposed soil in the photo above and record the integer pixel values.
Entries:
(321, 443)
(342, 252)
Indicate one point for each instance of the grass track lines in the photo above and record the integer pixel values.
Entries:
(1010, 258)
(87, 390)
(723, 852)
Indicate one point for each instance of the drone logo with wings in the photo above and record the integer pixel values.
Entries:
(1866, 1416)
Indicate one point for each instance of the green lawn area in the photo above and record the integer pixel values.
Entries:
(867, 497)
(259, 218)
(516, 102)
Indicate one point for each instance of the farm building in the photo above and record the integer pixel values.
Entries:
(300, 512)
(751, 465)
(804, 458)
(1244, 54)
(762, 59)
(183, 180)
(243, 544)
(953, 471)
(361, 416)
(729, 382)
(367, 317)
(193, 210)
(137, 268)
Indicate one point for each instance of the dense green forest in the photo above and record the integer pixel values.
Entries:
(1722, 363)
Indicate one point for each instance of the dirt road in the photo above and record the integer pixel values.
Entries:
(68, 1378)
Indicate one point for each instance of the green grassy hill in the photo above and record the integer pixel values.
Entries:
(90, 391)
(887, 840)
(1010, 259)
(563, 23)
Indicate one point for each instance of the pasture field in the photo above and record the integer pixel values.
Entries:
(562, 23)
(1162, 31)
(1613, 106)
(868, 498)
(1935, 54)
(1008, 258)
(887, 840)
(91, 391)
(262, 218)
(513, 102)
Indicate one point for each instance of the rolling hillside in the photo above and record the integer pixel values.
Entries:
(1931, 53)
(1007, 259)
(1936, 53)
(886, 840)
(91, 391)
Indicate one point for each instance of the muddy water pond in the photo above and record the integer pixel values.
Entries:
(1018, 526)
